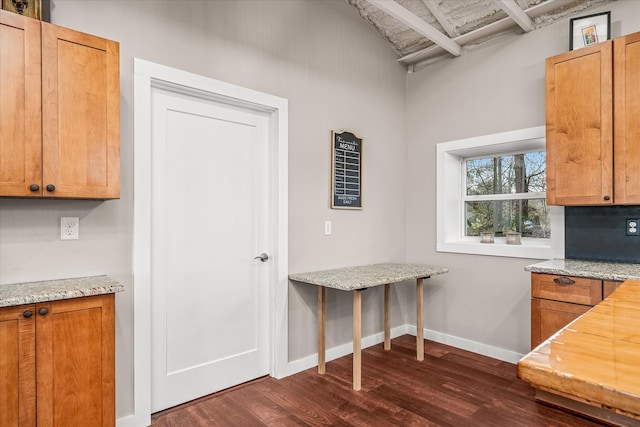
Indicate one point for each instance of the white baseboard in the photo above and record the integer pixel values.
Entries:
(304, 363)
(133, 421)
(333, 353)
(472, 346)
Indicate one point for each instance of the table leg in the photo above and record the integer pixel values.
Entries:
(357, 335)
(419, 321)
(387, 324)
(321, 330)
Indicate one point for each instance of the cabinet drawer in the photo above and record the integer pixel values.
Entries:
(576, 290)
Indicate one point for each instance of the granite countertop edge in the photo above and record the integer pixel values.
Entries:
(52, 290)
(584, 268)
(366, 276)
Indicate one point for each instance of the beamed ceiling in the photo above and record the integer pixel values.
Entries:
(425, 31)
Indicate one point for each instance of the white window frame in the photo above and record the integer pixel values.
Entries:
(450, 204)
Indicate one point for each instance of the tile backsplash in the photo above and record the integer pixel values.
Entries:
(599, 233)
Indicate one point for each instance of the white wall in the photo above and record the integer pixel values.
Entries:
(337, 74)
(498, 88)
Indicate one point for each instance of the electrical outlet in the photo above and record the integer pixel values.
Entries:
(633, 227)
(69, 228)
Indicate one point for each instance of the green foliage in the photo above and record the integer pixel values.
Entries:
(511, 174)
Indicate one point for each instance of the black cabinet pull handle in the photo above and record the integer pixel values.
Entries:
(564, 281)
(34, 187)
(51, 187)
(43, 311)
(607, 198)
(27, 314)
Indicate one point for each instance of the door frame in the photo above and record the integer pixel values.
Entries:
(148, 75)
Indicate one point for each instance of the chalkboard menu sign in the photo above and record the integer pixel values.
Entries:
(346, 171)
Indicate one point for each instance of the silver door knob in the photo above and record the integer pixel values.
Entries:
(262, 257)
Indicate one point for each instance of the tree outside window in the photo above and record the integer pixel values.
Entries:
(506, 193)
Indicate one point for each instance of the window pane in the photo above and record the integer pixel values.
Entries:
(529, 217)
(519, 173)
(481, 176)
(535, 172)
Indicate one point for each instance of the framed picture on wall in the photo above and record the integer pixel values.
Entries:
(587, 30)
(37, 9)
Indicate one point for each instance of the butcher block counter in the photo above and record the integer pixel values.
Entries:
(592, 365)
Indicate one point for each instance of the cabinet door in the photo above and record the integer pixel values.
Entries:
(608, 286)
(627, 125)
(75, 362)
(548, 317)
(580, 126)
(20, 116)
(81, 114)
(17, 367)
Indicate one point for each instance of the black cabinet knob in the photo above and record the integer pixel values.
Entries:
(43, 311)
(607, 198)
(34, 187)
(51, 187)
(27, 314)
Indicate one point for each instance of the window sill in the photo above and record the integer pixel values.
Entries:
(501, 249)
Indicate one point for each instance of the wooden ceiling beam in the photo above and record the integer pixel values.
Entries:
(441, 17)
(517, 14)
(417, 24)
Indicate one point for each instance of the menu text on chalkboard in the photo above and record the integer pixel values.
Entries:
(346, 171)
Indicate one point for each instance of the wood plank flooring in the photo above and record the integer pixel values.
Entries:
(451, 387)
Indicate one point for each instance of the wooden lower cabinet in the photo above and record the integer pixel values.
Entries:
(17, 366)
(558, 300)
(608, 286)
(57, 363)
(548, 317)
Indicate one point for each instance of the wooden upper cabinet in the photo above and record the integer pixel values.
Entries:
(80, 114)
(593, 131)
(20, 101)
(580, 126)
(59, 111)
(627, 123)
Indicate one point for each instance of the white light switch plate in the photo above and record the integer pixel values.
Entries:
(327, 228)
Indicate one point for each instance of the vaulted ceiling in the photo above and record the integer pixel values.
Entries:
(424, 31)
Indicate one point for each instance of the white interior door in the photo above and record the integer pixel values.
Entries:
(209, 220)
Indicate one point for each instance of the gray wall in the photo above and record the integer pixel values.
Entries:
(495, 89)
(337, 74)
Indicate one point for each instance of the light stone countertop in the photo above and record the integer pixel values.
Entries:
(366, 276)
(590, 269)
(51, 290)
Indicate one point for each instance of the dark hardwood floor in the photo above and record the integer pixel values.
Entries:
(452, 387)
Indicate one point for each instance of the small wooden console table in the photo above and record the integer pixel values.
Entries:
(356, 280)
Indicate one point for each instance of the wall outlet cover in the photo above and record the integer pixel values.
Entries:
(69, 228)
